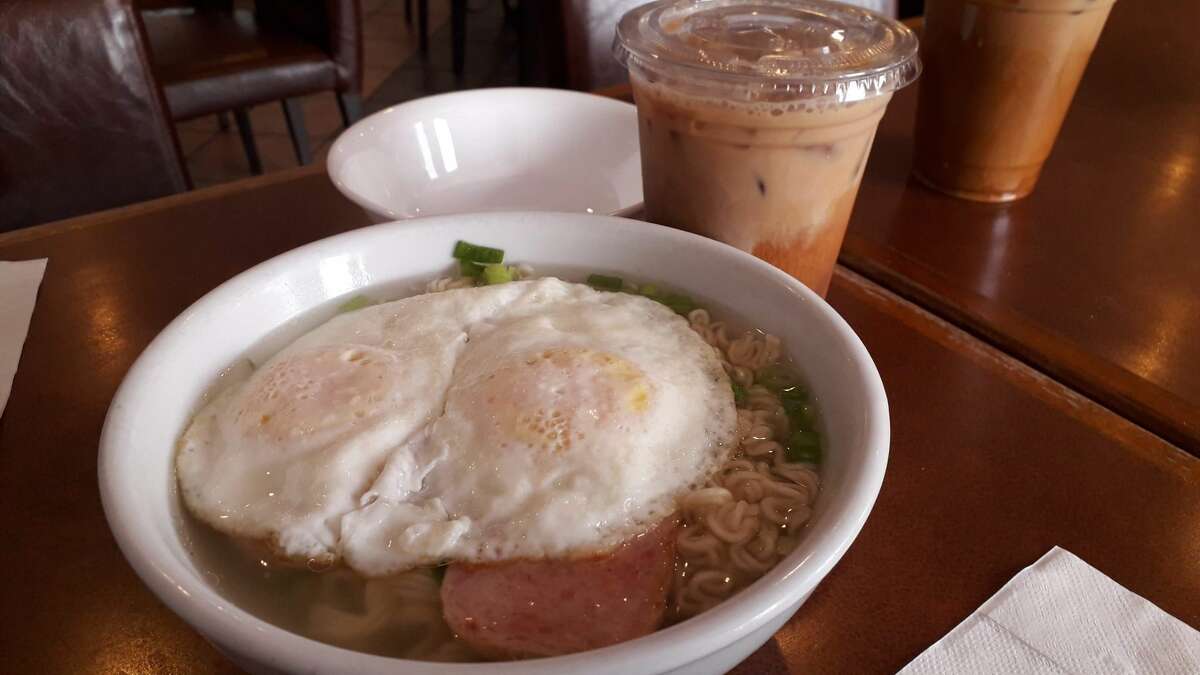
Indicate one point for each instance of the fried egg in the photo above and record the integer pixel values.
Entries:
(533, 419)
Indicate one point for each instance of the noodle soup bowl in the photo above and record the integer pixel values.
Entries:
(302, 288)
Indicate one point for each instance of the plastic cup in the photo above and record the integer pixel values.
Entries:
(756, 118)
(999, 77)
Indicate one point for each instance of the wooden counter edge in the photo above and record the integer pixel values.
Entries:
(1141, 441)
(1150, 406)
(162, 203)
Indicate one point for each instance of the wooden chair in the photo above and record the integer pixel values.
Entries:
(83, 125)
(458, 25)
(212, 58)
(589, 27)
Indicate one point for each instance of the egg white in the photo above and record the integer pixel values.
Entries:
(524, 420)
(282, 457)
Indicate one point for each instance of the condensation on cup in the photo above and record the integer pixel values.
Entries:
(756, 118)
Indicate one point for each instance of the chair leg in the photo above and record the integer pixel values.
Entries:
(223, 121)
(526, 50)
(247, 134)
(293, 111)
(458, 30)
(408, 12)
(423, 26)
(351, 106)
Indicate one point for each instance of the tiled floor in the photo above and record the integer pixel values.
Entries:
(389, 45)
(490, 60)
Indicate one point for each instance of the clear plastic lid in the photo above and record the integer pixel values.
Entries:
(770, 49)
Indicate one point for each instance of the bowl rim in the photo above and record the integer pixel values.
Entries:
(219, 620)
(337, 149)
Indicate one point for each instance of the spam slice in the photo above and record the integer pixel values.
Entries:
(526, 609)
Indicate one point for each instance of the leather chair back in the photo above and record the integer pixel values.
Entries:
(333, 25)
(589, 27)
(83, 124)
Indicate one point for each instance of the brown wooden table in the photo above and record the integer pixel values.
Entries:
(992, 464)
(1095, 278)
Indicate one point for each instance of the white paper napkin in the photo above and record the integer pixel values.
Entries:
(1061, 615)
(19, 283)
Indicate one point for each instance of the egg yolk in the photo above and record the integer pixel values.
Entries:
(552, 400)
(315, 393)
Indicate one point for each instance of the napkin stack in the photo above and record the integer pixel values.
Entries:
(19, 283)
(1063, 616)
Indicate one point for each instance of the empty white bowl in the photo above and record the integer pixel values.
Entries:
(165, 385)
(492, 150)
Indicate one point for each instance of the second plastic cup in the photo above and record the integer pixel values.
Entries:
(1000, 75)
(756, 118)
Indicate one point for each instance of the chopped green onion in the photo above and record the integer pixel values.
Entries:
(497, 274)
(739, 393)
(682, 304)
(793, 397)
(799, 409)
(801, 416)
(355, 303)
(803, 446)
(469, 268)
(601, 282)
(475, 253)
(776, 378)
(793, 394)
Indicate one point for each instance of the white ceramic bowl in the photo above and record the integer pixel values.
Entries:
(162, 389)
(492, 150)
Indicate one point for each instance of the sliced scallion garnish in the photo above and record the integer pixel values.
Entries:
(497, 274)
(602, 282)
(682, 304)
(464, 250)
(776, 378)
(803, 446)
(355, 303)
(470, 268)
(739, 393)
